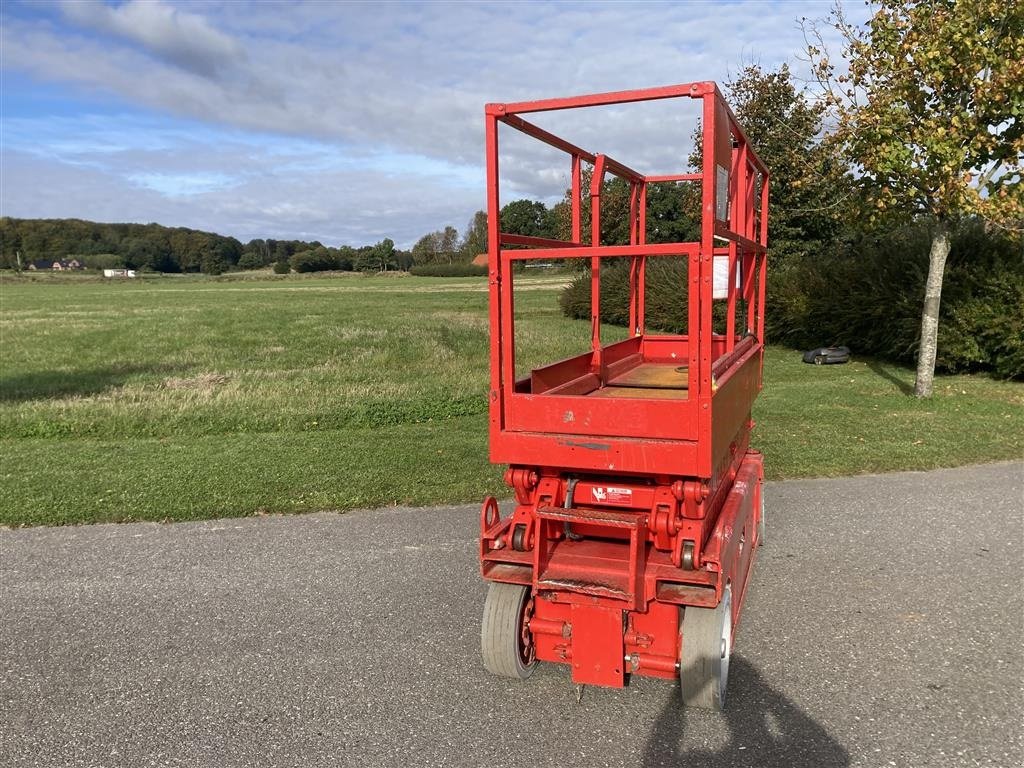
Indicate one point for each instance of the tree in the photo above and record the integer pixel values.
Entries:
(256, 254)
(426, 249)
(213, 264)
(448, 244)
(376, 257)
(313, 260)
(810, 187)
(931, 114)
(250, 260)
(141, 252)
(282, 249)
(557, 222)
(403, 260)
(383, 253)
(346, 257)
(152, 246)
(811, 191)
(673, 213)
(439, 247)
(527, 217)
(474, 242)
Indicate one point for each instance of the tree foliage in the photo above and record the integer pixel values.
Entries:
(931, 108)
(865, 293)
(527, 217)
(930, 113)
(440, 247)
(376, 258)
(154, 247)
(810, 188)
(474, 242)
(314, 260)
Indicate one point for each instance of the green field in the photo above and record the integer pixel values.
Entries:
(170, 399)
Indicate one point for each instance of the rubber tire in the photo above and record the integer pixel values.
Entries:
(500, 631)
(703, 670)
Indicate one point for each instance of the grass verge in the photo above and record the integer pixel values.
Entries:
(172, 400)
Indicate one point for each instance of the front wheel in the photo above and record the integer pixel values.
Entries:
(706, 642)
(505, 640)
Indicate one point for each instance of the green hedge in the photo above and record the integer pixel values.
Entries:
(666, 299)
(865, 294)
(449, 270)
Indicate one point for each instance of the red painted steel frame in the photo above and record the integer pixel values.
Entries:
(632, 502)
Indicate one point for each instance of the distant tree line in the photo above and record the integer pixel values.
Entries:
(158, 248)
(137, 246)
(154, 247)
(446, 247)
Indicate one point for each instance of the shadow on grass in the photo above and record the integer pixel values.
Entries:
(885, 371)
(765, 729)
(46, 385)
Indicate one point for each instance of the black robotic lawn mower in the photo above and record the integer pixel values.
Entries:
(827, 355)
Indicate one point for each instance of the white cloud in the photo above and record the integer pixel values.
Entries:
(183, 184)
(384, 98)
(179, 37)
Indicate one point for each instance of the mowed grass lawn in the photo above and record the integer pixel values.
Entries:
(175, 399)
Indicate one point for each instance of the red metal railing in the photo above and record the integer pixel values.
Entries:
(533, 426)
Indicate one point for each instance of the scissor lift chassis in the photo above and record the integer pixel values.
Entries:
(638, 506)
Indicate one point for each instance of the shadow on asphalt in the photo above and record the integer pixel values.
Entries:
(765, 729)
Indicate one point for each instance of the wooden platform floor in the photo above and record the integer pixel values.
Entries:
(640, 393)
(654, 376)
(659, 381)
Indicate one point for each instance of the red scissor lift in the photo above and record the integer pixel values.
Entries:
(638, 503)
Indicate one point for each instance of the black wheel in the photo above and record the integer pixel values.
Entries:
(505, 641)
(706, 642)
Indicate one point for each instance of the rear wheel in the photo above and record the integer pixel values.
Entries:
(704, 657)
(505, 640)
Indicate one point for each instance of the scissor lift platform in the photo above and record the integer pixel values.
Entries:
(638, 505)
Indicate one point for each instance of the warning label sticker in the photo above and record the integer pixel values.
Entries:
(611, 495)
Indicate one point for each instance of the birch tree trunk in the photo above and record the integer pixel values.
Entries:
(930, 312)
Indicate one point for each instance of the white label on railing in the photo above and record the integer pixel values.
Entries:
(720, 277)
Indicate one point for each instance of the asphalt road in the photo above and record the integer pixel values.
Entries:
(883, 627)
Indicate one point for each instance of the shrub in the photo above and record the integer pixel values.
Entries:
(868, 293)
(449, 270)
(102, 261)
(314, 260)
(665, 299)
(250, 260)
(213, 264)
(282, 267)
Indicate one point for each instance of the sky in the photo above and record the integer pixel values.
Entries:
(343, 122)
